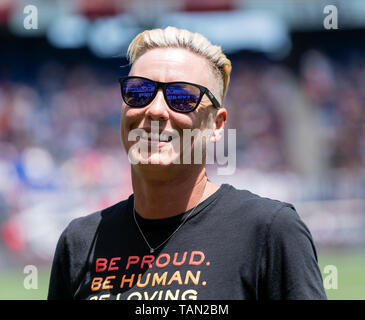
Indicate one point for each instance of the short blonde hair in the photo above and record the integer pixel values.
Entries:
(172, 37)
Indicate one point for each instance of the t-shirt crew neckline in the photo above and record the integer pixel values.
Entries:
(181, 216)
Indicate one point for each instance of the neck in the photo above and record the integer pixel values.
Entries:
(159, 196)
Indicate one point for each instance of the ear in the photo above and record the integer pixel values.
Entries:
(220, 120)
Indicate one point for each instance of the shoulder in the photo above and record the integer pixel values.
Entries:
(276, 222)
(256, 208)
(82, 230)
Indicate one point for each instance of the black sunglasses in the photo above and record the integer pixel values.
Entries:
(180, 96)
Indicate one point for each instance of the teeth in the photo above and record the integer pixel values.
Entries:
(164, 137)
(155, 136)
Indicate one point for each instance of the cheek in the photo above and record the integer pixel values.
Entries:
(123, 133)
(128, 117)
(185, 124)
(206, 121)
(123, 123)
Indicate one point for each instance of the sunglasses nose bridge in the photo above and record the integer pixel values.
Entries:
(157, 109)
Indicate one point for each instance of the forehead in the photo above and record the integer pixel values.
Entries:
(174, 64)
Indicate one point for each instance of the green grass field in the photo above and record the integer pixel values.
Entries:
(12, 285)
(350, 267)
(351, 274)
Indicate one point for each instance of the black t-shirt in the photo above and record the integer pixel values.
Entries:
(235, 245)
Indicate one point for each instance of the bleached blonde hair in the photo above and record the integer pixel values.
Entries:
(172, 37)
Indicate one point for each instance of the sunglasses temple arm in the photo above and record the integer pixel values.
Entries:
(213, 99)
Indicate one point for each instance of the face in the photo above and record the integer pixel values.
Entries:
(167, 65)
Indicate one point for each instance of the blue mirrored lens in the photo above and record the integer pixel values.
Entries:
(182, 96)
(138, 92)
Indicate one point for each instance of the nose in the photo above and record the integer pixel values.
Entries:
(158, 108)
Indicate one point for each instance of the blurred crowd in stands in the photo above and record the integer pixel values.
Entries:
(310, 122)
(60, 130)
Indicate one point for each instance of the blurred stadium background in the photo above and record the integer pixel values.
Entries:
(297, 101)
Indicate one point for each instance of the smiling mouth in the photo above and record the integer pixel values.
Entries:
(154, 137)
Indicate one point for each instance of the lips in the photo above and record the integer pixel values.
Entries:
(152, 138)
(162, 137)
